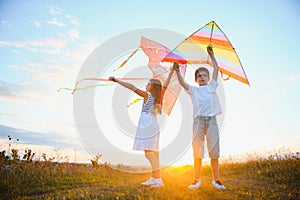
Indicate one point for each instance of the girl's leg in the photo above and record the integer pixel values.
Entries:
(153, 157)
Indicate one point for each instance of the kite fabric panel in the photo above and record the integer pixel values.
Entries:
(156, 52)
(193, 51)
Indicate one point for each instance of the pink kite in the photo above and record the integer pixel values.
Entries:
(156, 52)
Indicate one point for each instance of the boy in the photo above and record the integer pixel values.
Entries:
(206, 106)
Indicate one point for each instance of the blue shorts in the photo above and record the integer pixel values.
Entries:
(206, 127)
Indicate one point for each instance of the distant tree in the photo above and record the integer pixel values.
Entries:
(95, 160)
(28, 156)
(15, 156)
(4, 159)
(44, 156)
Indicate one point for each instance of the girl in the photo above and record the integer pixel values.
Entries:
(147, 134)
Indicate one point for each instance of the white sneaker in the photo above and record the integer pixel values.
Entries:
(149, 182)
(195, 185)
(218, 184)
(158, 183)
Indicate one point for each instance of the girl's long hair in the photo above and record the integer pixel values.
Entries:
(157, 94)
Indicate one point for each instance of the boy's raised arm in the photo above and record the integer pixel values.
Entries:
(214, 62)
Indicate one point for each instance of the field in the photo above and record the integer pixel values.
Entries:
(258, 179)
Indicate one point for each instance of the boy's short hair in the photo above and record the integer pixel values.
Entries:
(203, 69)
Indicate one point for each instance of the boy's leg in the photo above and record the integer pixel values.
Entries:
(215, 171)
(198, 151)
(197, 167)
(215, 168)
(213, 146)
(214, 152)
(198, 145)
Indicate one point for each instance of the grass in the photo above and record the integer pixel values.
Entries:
(260, 179)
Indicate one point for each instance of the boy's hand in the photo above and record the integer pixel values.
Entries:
(209, 50)
(176, 66)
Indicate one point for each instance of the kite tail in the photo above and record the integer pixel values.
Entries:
(90, 79)
(76, 87)
(130, 56)
(82, 88)
(133, 102)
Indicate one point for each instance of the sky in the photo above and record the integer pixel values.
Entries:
(44, 44)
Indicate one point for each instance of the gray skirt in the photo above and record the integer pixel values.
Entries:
(147, 133)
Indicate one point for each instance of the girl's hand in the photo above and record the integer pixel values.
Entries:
(176, 66)
(111, 78)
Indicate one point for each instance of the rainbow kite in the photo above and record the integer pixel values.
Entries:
(193, 51)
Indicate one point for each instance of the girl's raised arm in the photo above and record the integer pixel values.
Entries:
(131, 87)
(165, 86)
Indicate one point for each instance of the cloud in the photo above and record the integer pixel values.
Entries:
(81, 52)
(10, 116)
(294, 77)
(54, 10)
(46, 45)
(37, 23)
(4, 23)
(24, 94)
(23, 68)
(72, 19)
(20, 93)
(55, 72)
(48, 71)
(52, 71)
(16, 51)
(48, 42)
(74, 34)
(54, 21)
(55, 140)
(11, 92)
(3, 43)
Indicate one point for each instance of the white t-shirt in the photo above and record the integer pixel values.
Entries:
(205, 99)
